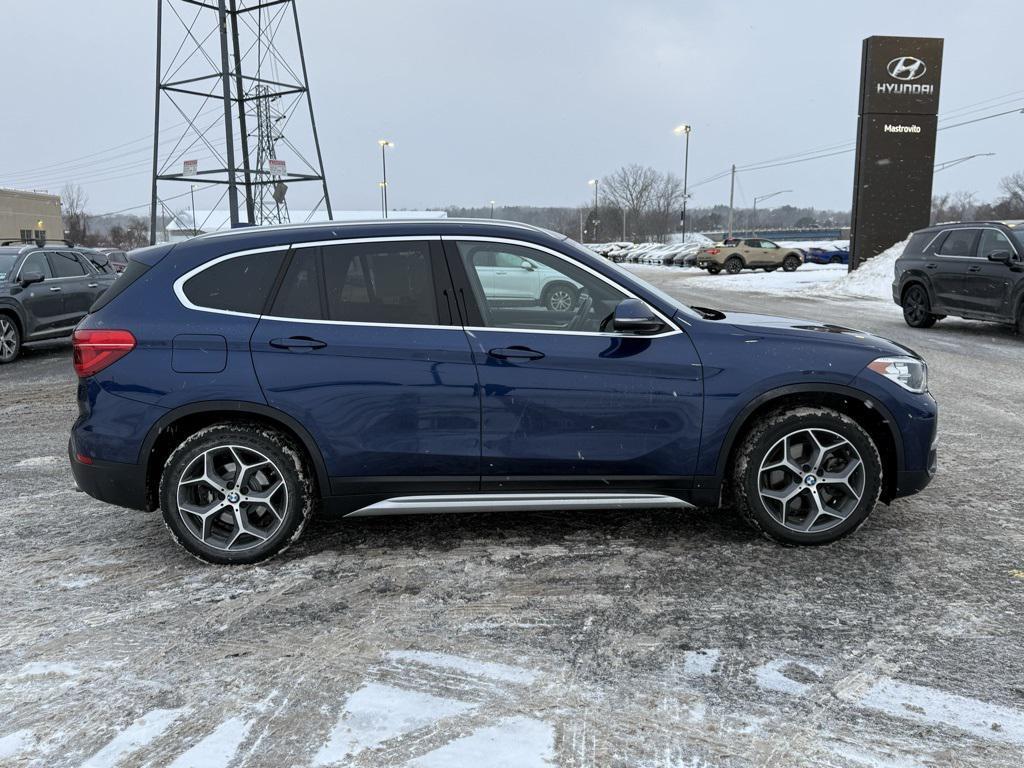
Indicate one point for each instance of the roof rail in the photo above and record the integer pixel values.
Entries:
(40, 242)
(254, 230)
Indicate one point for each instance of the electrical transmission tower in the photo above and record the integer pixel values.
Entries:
(240, 114)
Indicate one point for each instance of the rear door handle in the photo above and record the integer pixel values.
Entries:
(931, 266)
(515, 353)
(298, 342)
(56, 288)
(94, 285)
(975, 268)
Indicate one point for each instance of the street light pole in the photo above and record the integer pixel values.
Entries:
(685, 130)
(384, 144)
(732, 190)
(596, 183)
(192, 189)
(757, 199)
(492, 209)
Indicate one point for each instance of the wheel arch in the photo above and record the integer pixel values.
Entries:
(177, 424)
(874, 417)
(921, 280)
(734, 255)
(14, 312)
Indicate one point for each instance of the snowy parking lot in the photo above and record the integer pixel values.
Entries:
(654, 638)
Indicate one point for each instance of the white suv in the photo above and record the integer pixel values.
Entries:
(509, 277)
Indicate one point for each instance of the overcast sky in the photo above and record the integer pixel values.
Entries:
(522, 101)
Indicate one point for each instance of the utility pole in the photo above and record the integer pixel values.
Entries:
(732, 190)
(623, 224)
(685, 130)
(384, 144)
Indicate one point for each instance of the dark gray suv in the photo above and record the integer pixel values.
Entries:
(973, 270)
(45, 290)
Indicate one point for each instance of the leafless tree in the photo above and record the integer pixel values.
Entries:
(1013, 187)
(963, 205)
(73, 201)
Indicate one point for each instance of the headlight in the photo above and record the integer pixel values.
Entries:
(909, 372)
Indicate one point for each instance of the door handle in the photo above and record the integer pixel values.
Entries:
(298, 342)
(975, 268)
(55, 288)
(94, 285)
(515, 353)
(931, 266)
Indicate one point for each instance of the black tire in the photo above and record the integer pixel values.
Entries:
(556, 295)
(791, 263)
(835, 260)
(759, 442)
(917, 307)
(734, 265)
(714, 270)
(285, 462)
(10, 339)
(1020, 321)
(770, 269)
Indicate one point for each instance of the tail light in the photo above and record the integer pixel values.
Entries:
(714, 251)
(95, 350)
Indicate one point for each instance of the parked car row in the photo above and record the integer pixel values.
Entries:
(667, 254)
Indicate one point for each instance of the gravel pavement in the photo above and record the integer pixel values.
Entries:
(656, 638)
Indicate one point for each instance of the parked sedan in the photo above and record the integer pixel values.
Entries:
(816, 255)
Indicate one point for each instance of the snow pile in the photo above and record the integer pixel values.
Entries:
(872, 279)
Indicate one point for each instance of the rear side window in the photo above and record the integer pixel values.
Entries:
(299, 294)
(132, 272)
(382, 282)
(959, 242)
(918, 242)
(237, 284)
(65, 264)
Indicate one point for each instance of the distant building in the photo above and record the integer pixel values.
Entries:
(214, 221)
(29, 216)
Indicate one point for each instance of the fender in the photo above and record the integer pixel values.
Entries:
(209, 406)
(910, 278)
(10, 305)
(792, 389)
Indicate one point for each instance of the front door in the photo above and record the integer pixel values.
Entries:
(566, 402)
(363, 347)
(43, 303)
(987, 283)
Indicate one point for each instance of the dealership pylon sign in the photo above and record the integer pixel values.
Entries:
(899, 103)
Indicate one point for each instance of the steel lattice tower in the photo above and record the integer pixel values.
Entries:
(237, 89)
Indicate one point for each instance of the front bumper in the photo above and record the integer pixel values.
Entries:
(110, 481)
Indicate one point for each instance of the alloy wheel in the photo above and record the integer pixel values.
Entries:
(8, 339)
(915, 305)
(811, 480)
(232, 498)
(560, 300)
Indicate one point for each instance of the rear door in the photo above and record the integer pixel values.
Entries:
(568, 403)
(364, 347)
(987, 283)
(952, 258)
(78, 284)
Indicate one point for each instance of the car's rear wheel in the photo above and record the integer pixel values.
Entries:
(734, 265)
(790, 263)
(560, 297)
(10, 340)
(807, 475)
(236, 493)
(714, 270)
(835, 260)
(917, 308)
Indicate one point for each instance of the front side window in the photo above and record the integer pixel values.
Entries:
(36, 262)
(238, 284)
(380, 282)
(993, 241)
(65, 264)
(536, 290)
(959, 242)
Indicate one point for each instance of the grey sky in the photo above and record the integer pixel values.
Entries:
(522, 102)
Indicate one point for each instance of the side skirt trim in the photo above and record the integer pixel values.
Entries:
(516, 502)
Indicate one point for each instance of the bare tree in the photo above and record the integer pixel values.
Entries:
(73, 201)
(1013, 187)
(963, 205)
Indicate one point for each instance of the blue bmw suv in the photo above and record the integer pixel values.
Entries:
(240, 381)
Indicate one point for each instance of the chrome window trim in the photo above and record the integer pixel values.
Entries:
(980, 228)
(17, 277)
(179, 283)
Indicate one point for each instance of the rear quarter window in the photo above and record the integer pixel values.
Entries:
(237, 284)
(918, 242)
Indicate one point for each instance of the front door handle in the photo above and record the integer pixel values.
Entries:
(516, 352)
(975, 268)
(298, 342)
(55, 289)
(94, 285)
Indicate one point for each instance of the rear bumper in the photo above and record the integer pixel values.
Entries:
(110, 481)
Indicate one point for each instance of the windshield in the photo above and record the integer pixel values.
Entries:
(1018, 233)
(6, 264)
(669, 300)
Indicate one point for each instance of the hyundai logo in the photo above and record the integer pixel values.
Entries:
(906, 68)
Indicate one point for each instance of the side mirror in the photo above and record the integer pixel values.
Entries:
(634, 316)
(527, 265)
(1003, 257)
(99, 259)
(28, 278)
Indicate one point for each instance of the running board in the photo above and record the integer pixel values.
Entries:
(516, 502)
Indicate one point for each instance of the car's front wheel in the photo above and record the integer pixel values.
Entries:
(917, 308)
(559, 297)
(10, 340)
(806, 475)
(236, 493)
(734, 265)
(791, 263)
